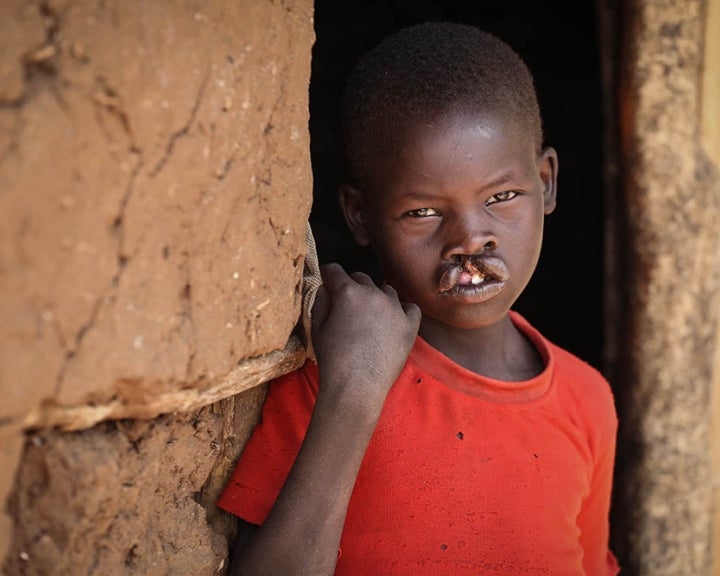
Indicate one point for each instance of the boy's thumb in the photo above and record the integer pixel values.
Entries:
(321, 307)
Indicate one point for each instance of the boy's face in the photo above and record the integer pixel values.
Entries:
(454, 214)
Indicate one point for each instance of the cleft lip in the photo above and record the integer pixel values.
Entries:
(491, 268)
(449, 278)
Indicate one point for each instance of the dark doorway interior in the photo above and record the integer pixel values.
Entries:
(560, 45)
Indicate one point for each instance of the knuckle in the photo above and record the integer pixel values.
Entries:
(360, 276)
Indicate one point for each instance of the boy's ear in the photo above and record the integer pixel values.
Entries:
(352, 204)
(548, 168)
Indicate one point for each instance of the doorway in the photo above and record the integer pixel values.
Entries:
(560, 45)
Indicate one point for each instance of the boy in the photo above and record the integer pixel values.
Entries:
(438, 433)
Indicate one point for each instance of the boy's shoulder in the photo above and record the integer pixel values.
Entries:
(563, 361)
(585, 394)
(588, 378)
(576, 382)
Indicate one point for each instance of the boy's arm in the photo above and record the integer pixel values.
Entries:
(362, 336)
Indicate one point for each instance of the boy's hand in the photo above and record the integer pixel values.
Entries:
(362, 334)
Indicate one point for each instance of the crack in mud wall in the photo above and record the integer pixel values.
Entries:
(154, 187)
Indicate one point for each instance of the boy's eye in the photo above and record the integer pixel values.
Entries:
(422, 213)
(501, 197)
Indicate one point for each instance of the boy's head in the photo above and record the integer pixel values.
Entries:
(449, 183)
(425, 71)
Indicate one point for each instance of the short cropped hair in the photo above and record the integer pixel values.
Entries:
(427, 70)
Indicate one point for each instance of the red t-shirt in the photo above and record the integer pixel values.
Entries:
(463, 474)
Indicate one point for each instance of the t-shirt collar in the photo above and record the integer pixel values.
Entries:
(463, 380)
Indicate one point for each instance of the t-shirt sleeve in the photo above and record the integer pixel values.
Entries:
(270, 453)
(590, 400)
(593, 519)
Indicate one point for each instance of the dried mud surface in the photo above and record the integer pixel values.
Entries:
(671, 203)
(128, 497)
(154, 187)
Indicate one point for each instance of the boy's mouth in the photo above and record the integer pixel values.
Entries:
(468, 271)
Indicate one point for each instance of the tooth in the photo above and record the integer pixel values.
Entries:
(477, 278)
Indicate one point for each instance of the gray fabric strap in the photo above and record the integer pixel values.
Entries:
(311, 282)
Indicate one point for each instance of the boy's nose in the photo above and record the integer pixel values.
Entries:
(471, 245)
(467, 240)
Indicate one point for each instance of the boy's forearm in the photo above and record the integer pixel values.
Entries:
(302, 533)
(362, 336)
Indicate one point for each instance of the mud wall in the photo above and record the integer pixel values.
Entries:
(711, 144)
(154, 187)
(669, 283)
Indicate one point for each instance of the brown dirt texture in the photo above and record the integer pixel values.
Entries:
(154, 188)
(99, 519)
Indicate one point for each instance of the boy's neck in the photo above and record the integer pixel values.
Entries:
(498, 351)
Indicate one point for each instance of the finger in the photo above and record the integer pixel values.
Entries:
(321, 307)
(333, 276)
(389, 290)
(412, 311)
(362, 278)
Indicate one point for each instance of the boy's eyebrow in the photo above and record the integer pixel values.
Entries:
(420, 196)
(510, 176)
